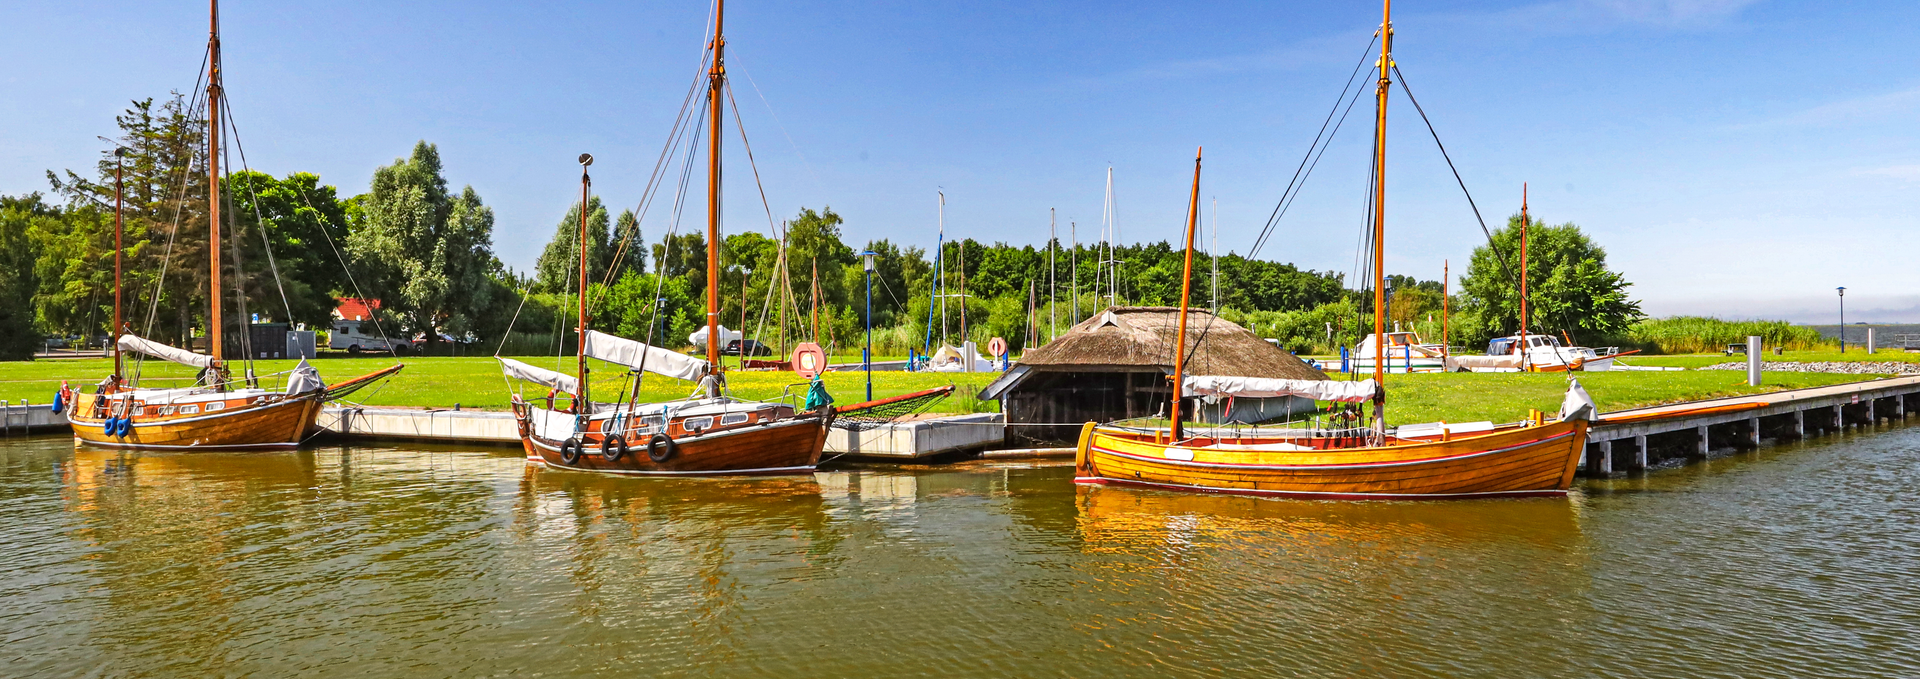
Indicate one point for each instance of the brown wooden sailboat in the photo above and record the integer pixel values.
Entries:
(713, 434)
(1535, 457)
(217, 413)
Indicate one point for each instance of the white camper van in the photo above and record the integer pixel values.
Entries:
(348, 335)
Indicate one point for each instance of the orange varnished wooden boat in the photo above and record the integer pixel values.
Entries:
(201, 418)
(1516, 460)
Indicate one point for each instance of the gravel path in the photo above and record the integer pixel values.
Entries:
(1846, 367)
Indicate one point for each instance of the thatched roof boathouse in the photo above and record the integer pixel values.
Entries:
(1116, 364)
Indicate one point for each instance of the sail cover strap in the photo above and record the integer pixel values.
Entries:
(1267, 387)
(158, 350)
(653, 359)
(561, 381)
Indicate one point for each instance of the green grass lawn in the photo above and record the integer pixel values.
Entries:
(476, 382)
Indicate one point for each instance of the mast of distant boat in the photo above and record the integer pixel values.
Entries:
(1523, 276)
(119, 246)
(1186, 293)
(1380, 219)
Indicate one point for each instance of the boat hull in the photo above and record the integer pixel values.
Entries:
(787, 446)
(1520, 461)
(281, 423)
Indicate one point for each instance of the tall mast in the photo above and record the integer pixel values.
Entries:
(214, 343)
(716, 77)
(1186, 291)
(1213, 253)
(119, 246)
(1446, 287)
(1380, 210)
(1053, 285)
(943, 269)
(1073, 232)
(1523, 276)
(581, 404)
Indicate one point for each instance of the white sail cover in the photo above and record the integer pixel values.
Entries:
(1268, 387)
(653, 359)
(158, 350)
(561, 381)
(1577, 405)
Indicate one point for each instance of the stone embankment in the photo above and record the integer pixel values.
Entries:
(1844, 367)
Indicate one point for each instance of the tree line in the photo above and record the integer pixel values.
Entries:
(425, 250)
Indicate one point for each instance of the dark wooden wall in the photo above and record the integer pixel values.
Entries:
(1060, 402)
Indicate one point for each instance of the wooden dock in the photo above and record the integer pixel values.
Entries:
(1642, 438)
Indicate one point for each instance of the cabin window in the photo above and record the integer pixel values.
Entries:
(696, 424)
(734, 418)
(189, 410)
(166, 410)
(215, 406)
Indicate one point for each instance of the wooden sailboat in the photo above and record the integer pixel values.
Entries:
(713, 434)
(215, 414)
(1535, 457)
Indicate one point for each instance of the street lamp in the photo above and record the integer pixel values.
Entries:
(866, 257)
(1843, 318)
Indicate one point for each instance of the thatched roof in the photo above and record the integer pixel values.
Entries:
(1143, 337)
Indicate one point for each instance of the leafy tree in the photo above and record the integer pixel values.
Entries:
(428, 252)
(1570, 288)
(306, 224)
(22, 221)
(559, 263)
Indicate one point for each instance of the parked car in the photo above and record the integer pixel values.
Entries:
(754, 348)
(352, 336)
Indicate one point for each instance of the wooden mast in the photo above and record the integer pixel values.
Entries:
(1380, 215)
(1446, 342)
(215, 346)
(581, 402)
(716, 77)
(1523, 277)
(1186, 291)
(119, 246)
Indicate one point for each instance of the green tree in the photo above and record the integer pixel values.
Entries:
(560, 262)
(1570, 288)
(22, 221)
(305, 223)
(428, 253)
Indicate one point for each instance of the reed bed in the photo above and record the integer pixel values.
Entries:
(1699, 334)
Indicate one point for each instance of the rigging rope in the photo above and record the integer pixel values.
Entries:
(1498, 256)
(1278, 211)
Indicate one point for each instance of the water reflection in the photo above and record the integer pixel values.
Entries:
(385, 561)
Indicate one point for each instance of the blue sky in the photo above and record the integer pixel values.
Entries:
(1735, 157)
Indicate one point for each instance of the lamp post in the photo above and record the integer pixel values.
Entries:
(866, 257)
(1843, 318)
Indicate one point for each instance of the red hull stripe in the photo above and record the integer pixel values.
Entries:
(1315, 495)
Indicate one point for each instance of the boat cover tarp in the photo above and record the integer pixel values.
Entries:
(1578, 405)
(656, 360)
(1272, 387)
(557, 380)
(162, 351)
(304, 379)
(1479, 363)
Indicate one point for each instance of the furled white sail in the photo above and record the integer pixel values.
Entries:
(561, 381)
(653, 359)
(1267, 387)
(162, 351)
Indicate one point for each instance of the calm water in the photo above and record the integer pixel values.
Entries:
(1798, 561)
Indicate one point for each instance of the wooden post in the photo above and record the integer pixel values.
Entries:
(1640, 452)
(1703, 444)
(1871, 420)
(1606, 459)
(1800, 424)
(1753, 432)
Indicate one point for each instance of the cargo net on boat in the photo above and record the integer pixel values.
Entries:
(861, 417)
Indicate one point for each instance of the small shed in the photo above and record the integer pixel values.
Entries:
(1116, 364)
